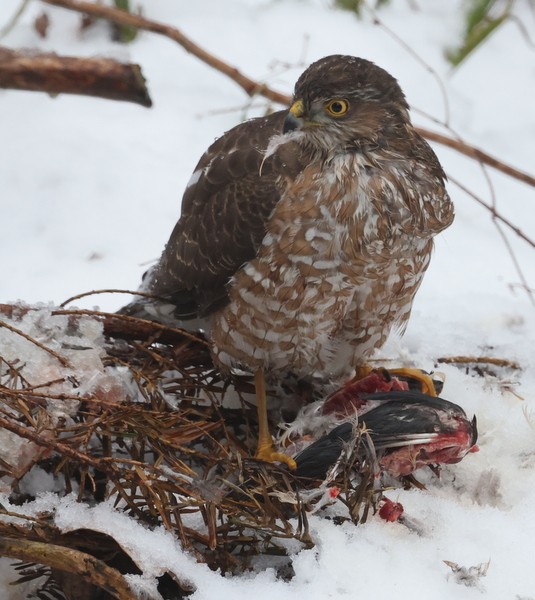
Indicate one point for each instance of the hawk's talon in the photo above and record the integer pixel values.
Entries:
(267, 453)
(426, 381)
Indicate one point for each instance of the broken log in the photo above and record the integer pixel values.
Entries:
(54, 74)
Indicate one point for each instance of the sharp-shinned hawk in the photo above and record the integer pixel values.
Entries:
(304, 235)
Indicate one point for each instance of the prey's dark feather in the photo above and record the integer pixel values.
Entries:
(403, 418)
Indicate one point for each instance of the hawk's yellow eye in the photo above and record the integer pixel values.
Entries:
(337, 108)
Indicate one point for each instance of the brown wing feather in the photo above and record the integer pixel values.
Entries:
(223, 221)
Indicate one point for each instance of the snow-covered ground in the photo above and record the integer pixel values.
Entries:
(91, 190)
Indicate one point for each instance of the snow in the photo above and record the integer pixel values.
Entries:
(91, 190)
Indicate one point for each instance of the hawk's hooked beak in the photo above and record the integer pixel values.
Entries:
(294, 120)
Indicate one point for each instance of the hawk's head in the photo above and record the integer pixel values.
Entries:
(345, 103)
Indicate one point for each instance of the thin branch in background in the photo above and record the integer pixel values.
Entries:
(477, 154)
(496, 219)
(251, 87)
(495, 214)
(416, 56)
(481, 157)
(492, 207)
(523, 30)
(518, 268)
(6, 29)
(505, 239)
(456, 142)
(254, 88)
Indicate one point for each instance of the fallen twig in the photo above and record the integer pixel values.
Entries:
(491, 360)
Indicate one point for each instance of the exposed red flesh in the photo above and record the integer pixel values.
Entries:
(446, 448)
(347, 400)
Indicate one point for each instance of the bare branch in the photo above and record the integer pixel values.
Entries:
(122, 17)
(100, 77)
(495, 214)
(477, 154)
(416, 56)
(253, 88)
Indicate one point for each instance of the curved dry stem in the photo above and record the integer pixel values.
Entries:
(109, 291)
(90, 569)
(53, 353)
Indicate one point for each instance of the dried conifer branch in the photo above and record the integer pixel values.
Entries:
(252, 87)
(53, 74)
(163, 464)
(62, 448)
(115, 325)
(90, 569)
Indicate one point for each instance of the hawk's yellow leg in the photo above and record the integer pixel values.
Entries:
(265, 450)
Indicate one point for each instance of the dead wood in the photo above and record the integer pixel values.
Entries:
(53, 74)
(93, 571)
